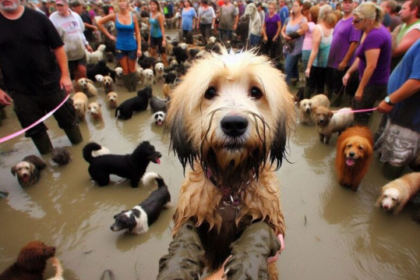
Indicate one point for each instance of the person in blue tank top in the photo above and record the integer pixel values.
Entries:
(128, 41)
(157, 32)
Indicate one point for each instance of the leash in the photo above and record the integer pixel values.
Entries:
(355, 111)
(13, 135)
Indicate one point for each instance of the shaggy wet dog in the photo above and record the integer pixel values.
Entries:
(80, 103)
(31, 262)
(328, 122)
(139, 103)
(28, 171)
(141, 217)
(61, 155)
(95, 111)
(396, 194)
(131, 166)
(112, 100)
(88, 87)
(108, 84)
(354, 154)
(306, 106)
(232, 132)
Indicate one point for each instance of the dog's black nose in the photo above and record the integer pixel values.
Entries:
(352, 154)
(234, 125)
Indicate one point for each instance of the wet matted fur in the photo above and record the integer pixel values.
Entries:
(239, 85)
(30, 263)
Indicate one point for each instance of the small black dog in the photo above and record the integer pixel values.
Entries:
(141, 217)
(61, 155)
(99, 68)
(28, 170)
(131, 166)
(135, 104)
(146, 62)
(170, 78)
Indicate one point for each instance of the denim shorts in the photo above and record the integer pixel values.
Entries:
(120, 54)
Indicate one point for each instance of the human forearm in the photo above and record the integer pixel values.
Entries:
(367, 74)
(354, 66)
(61, 56)
(90, 26)
(410, 87)
(350, 52)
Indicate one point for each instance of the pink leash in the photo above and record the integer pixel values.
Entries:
(353, 111)
(6, 138)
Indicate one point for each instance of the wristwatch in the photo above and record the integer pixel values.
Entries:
(388, 101)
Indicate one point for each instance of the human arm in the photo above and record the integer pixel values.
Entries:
(138, 35)
(235, 25)
(162, 29)
(283, 31)
(316, 41)
(278, 31)
(409, 88)
(90, 26)
(406, 42)
(5, 98)
(352, 68)
(372, 57)
(65, 82)
(264, 34)
(348, 56)
(102, 21)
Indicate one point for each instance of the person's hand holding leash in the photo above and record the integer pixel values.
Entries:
(5, 98)
(384, 108)
(89, 48)
(66, 84)
(359, 95)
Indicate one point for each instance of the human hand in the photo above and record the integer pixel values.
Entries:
(112, 38)
(287, 38)
(359, 94)
(342, 65)
(138, 52)
(346, 78)
(234, 27)
(89, 48)
(94, 28)
(5, 98)
(275, 38)
(164, 43)
(384, 108)
(307, 72)
(66, 84)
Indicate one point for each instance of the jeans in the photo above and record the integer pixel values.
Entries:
(205, 31)
(291, 67)
(305, 58)
(225, 35)
(254, 40)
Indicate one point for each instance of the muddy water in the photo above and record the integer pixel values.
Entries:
(332, 233)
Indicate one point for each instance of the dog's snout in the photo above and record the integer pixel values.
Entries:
(234, 125)
(352, 154)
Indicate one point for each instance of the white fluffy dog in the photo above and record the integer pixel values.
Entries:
(147, 78)
(396, 194)
(80, 103)
(99, 78)
(328, 122)
(306, 105)
(159, 118)
(87, 87)
(212, 40)
(118, 76)
(95, 111)
(160, 71)
(97, 55)
(255, 19)
(112, 100)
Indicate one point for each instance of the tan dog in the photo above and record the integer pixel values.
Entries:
(328, 122)
(87, 87)
(396, 194)
(306, 106)
(112, 100)
(95, 111)
(233, 131)
(167, 90)
(28, 171)
(108, 84)
(354, 154)
(80, 103)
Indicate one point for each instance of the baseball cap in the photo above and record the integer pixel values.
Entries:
(60, 2)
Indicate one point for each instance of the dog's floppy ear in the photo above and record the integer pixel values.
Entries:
(278, 147)
(13, 170)
(330, 114)
(180, 143)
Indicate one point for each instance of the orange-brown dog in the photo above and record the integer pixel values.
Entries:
(354, 153)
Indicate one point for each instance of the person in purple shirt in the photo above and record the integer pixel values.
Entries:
(343, 45)
(373, 58)
(270, 31)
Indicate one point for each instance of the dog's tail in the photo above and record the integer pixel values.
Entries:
(88, 149)
(58, 269)
(152, 180)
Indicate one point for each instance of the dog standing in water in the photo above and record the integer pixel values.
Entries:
(232, 132)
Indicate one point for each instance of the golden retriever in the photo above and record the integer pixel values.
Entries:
(306, 106)
(231, 126)
(80, 103)
(396, 194)
(354, 154)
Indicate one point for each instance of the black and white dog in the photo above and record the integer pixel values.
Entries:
(141, 217)
(159, 118)
(139, 103)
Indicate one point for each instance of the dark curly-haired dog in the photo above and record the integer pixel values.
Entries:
(28, 170)
(130, 166)
(139, 103)
(61, 155)
(31, 262)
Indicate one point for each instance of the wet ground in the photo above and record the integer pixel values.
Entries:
(332, 233)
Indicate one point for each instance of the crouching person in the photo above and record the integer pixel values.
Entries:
(34, 65)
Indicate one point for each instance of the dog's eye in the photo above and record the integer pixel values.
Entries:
(210, 93)
(255, 93)
(361, 148)
(349, 145)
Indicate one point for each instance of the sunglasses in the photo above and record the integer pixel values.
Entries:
(356, 21)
